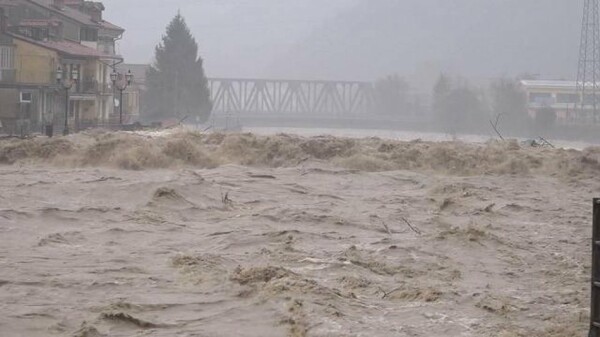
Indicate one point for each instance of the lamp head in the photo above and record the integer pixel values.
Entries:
(129, 77)
(75, 75)
(59, 75)
(114, 76)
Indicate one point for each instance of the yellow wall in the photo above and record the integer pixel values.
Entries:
(34, 64)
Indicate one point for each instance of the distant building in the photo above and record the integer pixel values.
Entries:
(37, 37)
(561, 96)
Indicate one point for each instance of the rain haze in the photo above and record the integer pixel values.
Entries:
(299, 168)
(363, 40)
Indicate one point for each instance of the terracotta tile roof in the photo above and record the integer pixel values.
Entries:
(67, 47)
(75, 49)
(108, 25)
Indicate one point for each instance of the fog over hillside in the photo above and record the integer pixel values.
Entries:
(364, 39)
(470, 37)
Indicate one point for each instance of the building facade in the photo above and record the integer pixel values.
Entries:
(562, 97)
(38, 38)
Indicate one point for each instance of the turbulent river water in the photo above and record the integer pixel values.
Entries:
(275, 234)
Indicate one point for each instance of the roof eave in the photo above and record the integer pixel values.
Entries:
(61, 52)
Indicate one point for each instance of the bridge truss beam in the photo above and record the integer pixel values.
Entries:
(292, 97)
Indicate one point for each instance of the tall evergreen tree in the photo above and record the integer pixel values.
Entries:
(177, 84)
(457, 107)
(392, 96)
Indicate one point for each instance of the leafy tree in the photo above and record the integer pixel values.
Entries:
(457, 107)
(392, 96)
(509, 105)
(177, 84)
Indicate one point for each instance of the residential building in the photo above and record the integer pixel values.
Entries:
(562, 96)
(38, 37)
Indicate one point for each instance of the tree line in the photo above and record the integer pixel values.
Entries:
(457, 106)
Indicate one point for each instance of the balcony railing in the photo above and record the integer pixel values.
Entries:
(93, 87)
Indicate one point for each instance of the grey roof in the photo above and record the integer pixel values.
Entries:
(138, 71)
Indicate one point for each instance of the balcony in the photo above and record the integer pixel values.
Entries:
(92, 87)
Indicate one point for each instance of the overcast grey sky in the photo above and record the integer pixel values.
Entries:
(363, 39)
(236, 37)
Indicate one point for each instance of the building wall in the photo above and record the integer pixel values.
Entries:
(71, 29)
(34, 68)
(22, 118)
(90, 44)
(34, 64)
(9, 103)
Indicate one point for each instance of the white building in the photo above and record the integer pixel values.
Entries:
(562, 96)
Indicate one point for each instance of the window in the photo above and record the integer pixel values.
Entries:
(540, 98)
(39, 34)
(89, 34)
(7, 57)
(567, 98)
(589, 99)
(26, 97)
(35, 33)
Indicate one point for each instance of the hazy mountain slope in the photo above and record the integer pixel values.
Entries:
(472, 37)
(364, 39)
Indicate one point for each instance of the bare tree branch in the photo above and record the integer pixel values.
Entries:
(411, 226)
(495, 126)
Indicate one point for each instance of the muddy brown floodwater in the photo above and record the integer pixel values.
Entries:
(115, 234)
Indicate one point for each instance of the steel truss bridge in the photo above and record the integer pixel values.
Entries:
(291, 97)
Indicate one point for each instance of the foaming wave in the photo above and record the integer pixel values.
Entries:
(133, 151)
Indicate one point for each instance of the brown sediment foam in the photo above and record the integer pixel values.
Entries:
(119, 316)
(256, 275)
(87, 331)
(414, 294)
(137, 152)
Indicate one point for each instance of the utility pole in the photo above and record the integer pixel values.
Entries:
(588, 74)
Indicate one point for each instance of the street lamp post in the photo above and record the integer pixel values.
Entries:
(121, 86)
(63, 79)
